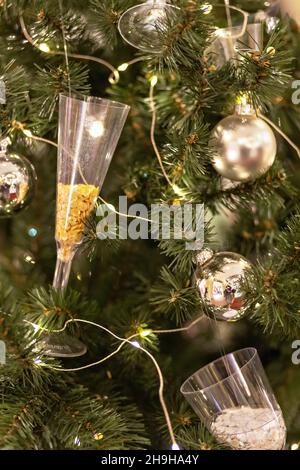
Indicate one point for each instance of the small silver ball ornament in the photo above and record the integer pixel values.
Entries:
(244, 147)
(219, 283)
(17, 182)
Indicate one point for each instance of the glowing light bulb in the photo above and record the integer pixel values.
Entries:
(29, 259)
(206, 8)
(35, 327)
(145, 333)
(294, 446)
(154, 80)
(175, 446)
(96, 129)
(123, 67)
(28, 133)
(135, 344)
(77, 441)
(177, 190)
(44, 47)
(32, 232)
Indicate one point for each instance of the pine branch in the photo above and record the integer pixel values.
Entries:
(264, 75)
(184, 37)
(43, 112)
(104, 19)
(273, 298)
(174, 297)
(50, 309)
(90, 423)
(17, 424)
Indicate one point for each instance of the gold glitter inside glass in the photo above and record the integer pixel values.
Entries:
(75, 204)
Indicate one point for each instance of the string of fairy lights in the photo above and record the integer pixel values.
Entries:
(132, 340)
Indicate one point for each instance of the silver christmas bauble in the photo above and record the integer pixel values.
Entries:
(244, 147)
(17, 183)
(219, 283)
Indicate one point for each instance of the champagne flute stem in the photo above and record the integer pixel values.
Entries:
(62, 273)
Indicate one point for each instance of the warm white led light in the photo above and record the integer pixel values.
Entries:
(123, 67)
(27, 132)
(175, 447)
(44, 47)
(96, 129)
(154, 80)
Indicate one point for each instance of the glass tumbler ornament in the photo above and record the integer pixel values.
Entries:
(252, 40)
(141, 25)
(231, 42)
(89, 131)
(238, 35)
(233, 398)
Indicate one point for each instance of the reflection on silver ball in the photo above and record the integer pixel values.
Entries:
(218, 281)
(17, 183)
(141, 25)
(245, 147)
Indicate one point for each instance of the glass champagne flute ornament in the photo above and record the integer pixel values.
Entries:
(141, 25)
(89, 130)
(234, 399)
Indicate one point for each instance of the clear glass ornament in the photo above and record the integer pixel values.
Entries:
(252, 40)
(244, 147)
(61, 345)
(225, 39)
(230, 43)
(219, 283)
(233, 398)
(141, 25)
(17, 181)
(89, 131)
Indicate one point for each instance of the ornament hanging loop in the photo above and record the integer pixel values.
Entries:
(244, 105)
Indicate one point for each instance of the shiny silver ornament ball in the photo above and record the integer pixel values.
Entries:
(244, 147)
(219, 283)
(17, 183)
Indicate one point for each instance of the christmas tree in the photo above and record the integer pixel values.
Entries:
(96, 358)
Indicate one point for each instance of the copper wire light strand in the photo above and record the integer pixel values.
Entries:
(103, 62)
(152, 133)
(123, 342)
